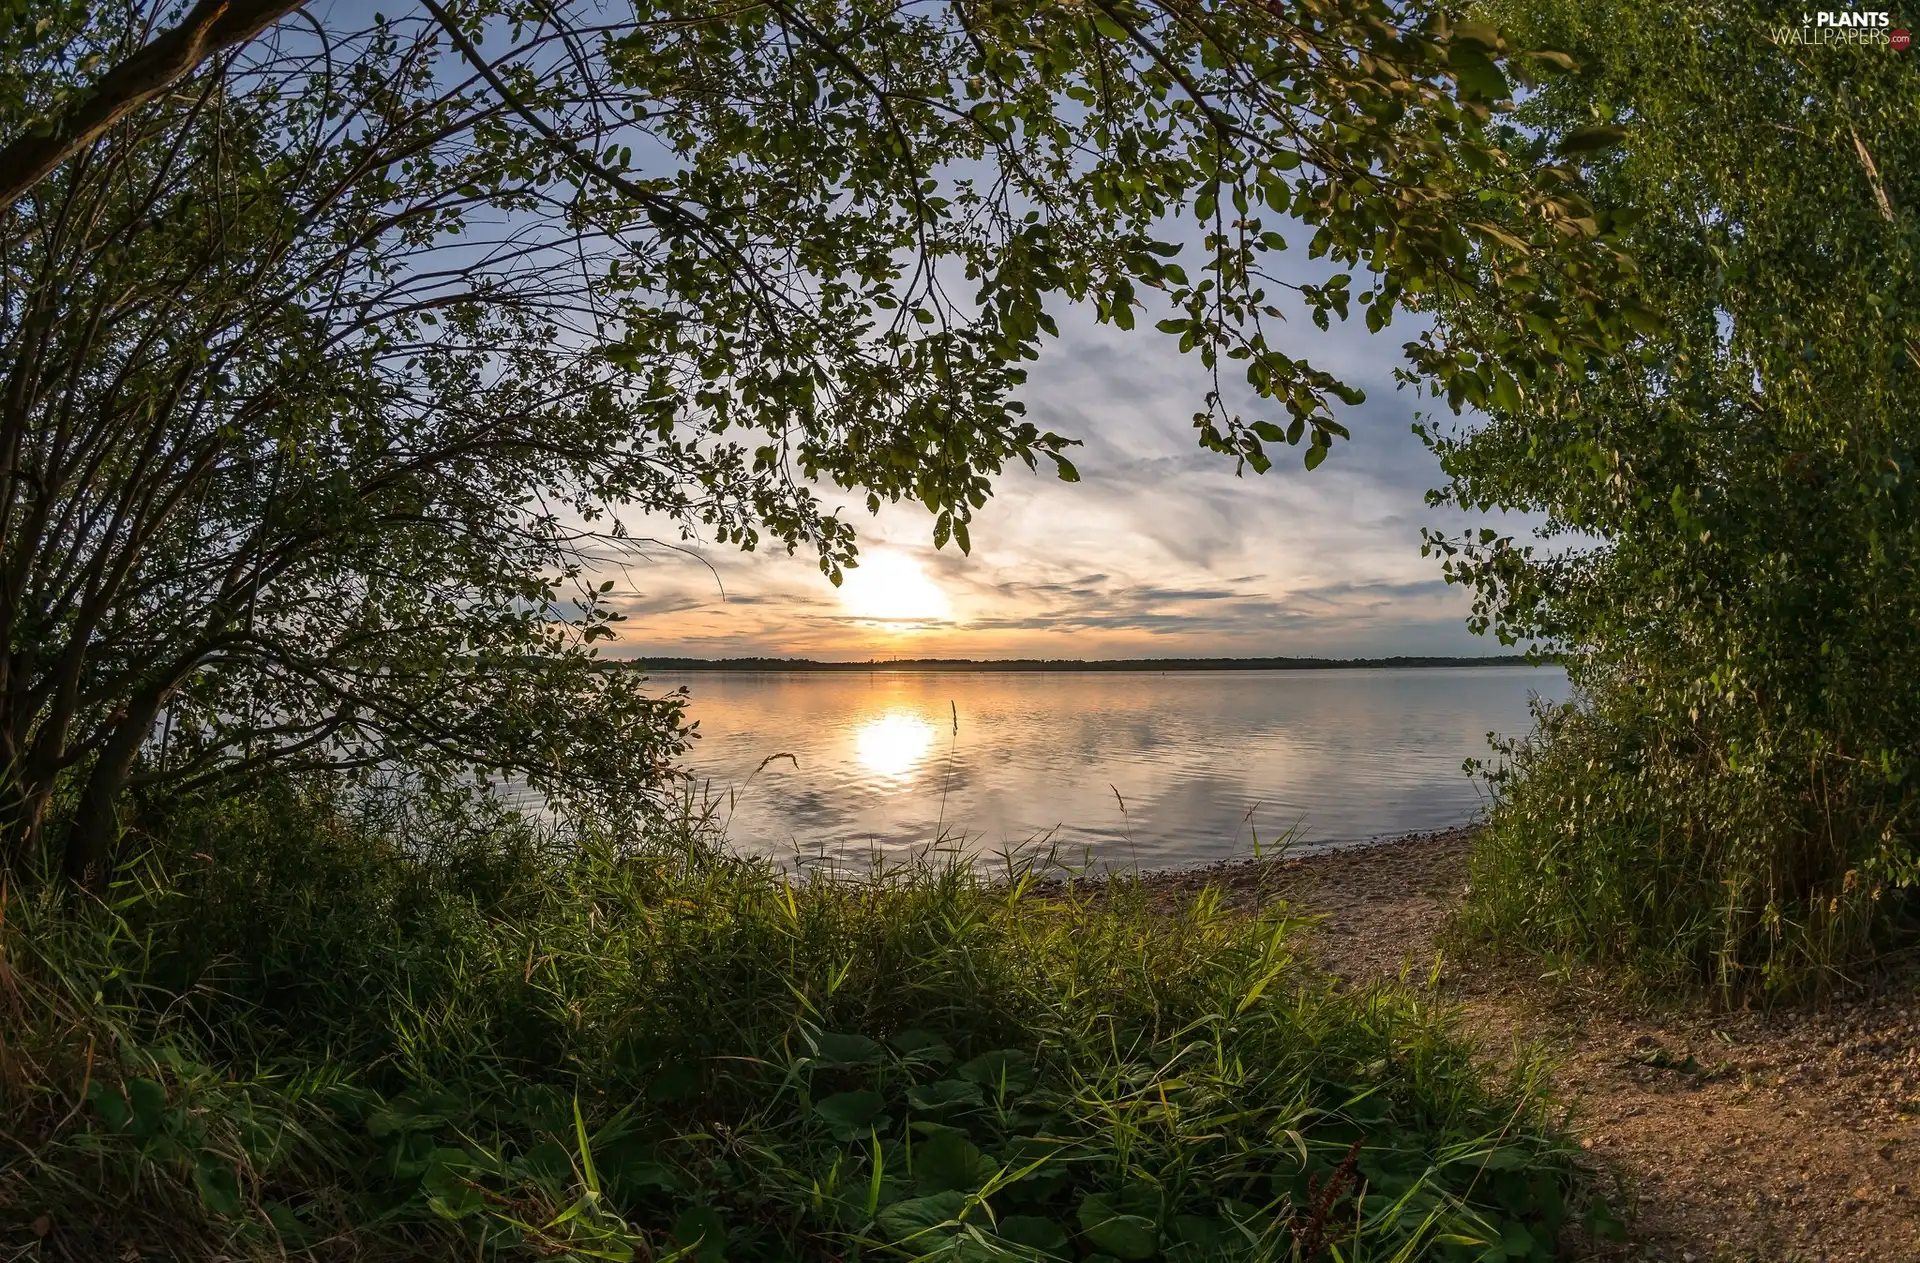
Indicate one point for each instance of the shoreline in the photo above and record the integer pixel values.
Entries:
(1738, 1135)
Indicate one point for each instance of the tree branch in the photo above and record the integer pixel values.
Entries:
(212, 27)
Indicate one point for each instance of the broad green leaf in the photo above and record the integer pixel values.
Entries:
(1592, 139)
(918, 1216)
(219, 1186)
(1003, 1066)
(1478, 75)
(948, 1162)
(921, 1043)
(109, 1105)
(678, 1082)
(1120, 1234)
(549, 1162)
(701, 1229)
(1046, 1235)
(944, 1094)
(850, 1114)
(149, 1106)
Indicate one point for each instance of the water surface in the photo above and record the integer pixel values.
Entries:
(1155, 769)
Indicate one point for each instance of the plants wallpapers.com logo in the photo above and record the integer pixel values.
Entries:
(1850, 27)
(1849, 19)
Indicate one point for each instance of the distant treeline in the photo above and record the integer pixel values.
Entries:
(1066, 664)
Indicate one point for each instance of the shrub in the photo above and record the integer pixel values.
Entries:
(1728, 506)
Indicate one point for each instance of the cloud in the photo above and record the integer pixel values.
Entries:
(1160, 550)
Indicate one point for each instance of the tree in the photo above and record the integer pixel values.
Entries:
(331, 370)
(1734, 556)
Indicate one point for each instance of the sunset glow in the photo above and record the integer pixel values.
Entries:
(890, 588)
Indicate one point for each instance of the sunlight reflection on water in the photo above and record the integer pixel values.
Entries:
(893, 745)
(1159, 769)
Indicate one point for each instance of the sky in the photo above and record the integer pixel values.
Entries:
(1159, 551)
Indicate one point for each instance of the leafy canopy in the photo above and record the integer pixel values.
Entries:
(335, 370)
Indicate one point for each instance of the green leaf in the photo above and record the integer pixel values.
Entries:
(219, 1186)
(1200, 1230)
(1559, 61)
(922, 1045)
(1503, 1158)
(948, 1162)
(701, 1228)
(549, 1162)
(1122, 1235)
(1046, 1235)
(1496, 233)
(450, 1194)
(903, 1221)
(1003, 1066)
(1592, 139)
(1484, 34)
(631, 1164)
(1642, 319)
(678, 1082)
(944, 1094)
(1602, 1223)
(1477, 75)
(1506, 393)
(850, 1114)
(149, 1101)
(109, 1105)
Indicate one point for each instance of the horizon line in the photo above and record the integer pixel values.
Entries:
(1223, 663)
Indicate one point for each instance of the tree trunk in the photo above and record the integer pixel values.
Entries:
(96, 824)
(23, 812)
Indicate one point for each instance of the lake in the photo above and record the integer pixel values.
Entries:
(1152, 769)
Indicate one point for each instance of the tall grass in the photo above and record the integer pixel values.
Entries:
(1775, 871)
(291, 1035)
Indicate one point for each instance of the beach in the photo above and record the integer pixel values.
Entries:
(1743, 1134)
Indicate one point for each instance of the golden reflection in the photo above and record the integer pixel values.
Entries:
(892, 745)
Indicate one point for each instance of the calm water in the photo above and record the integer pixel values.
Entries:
(1161, 770)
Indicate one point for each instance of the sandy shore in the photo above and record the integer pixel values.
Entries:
(1789, 1135)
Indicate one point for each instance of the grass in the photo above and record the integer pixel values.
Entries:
(291, 1035)
(1613, 844)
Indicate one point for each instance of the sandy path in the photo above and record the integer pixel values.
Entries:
(1787, 1136)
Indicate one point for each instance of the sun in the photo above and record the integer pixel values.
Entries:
(890, 588)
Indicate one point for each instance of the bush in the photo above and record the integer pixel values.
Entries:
(483, 1043)
(1730, 510)
(1612, 844)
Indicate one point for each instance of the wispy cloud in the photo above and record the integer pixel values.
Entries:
(1159, 550)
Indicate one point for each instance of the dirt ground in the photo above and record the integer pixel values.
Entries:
(1789, 1135)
